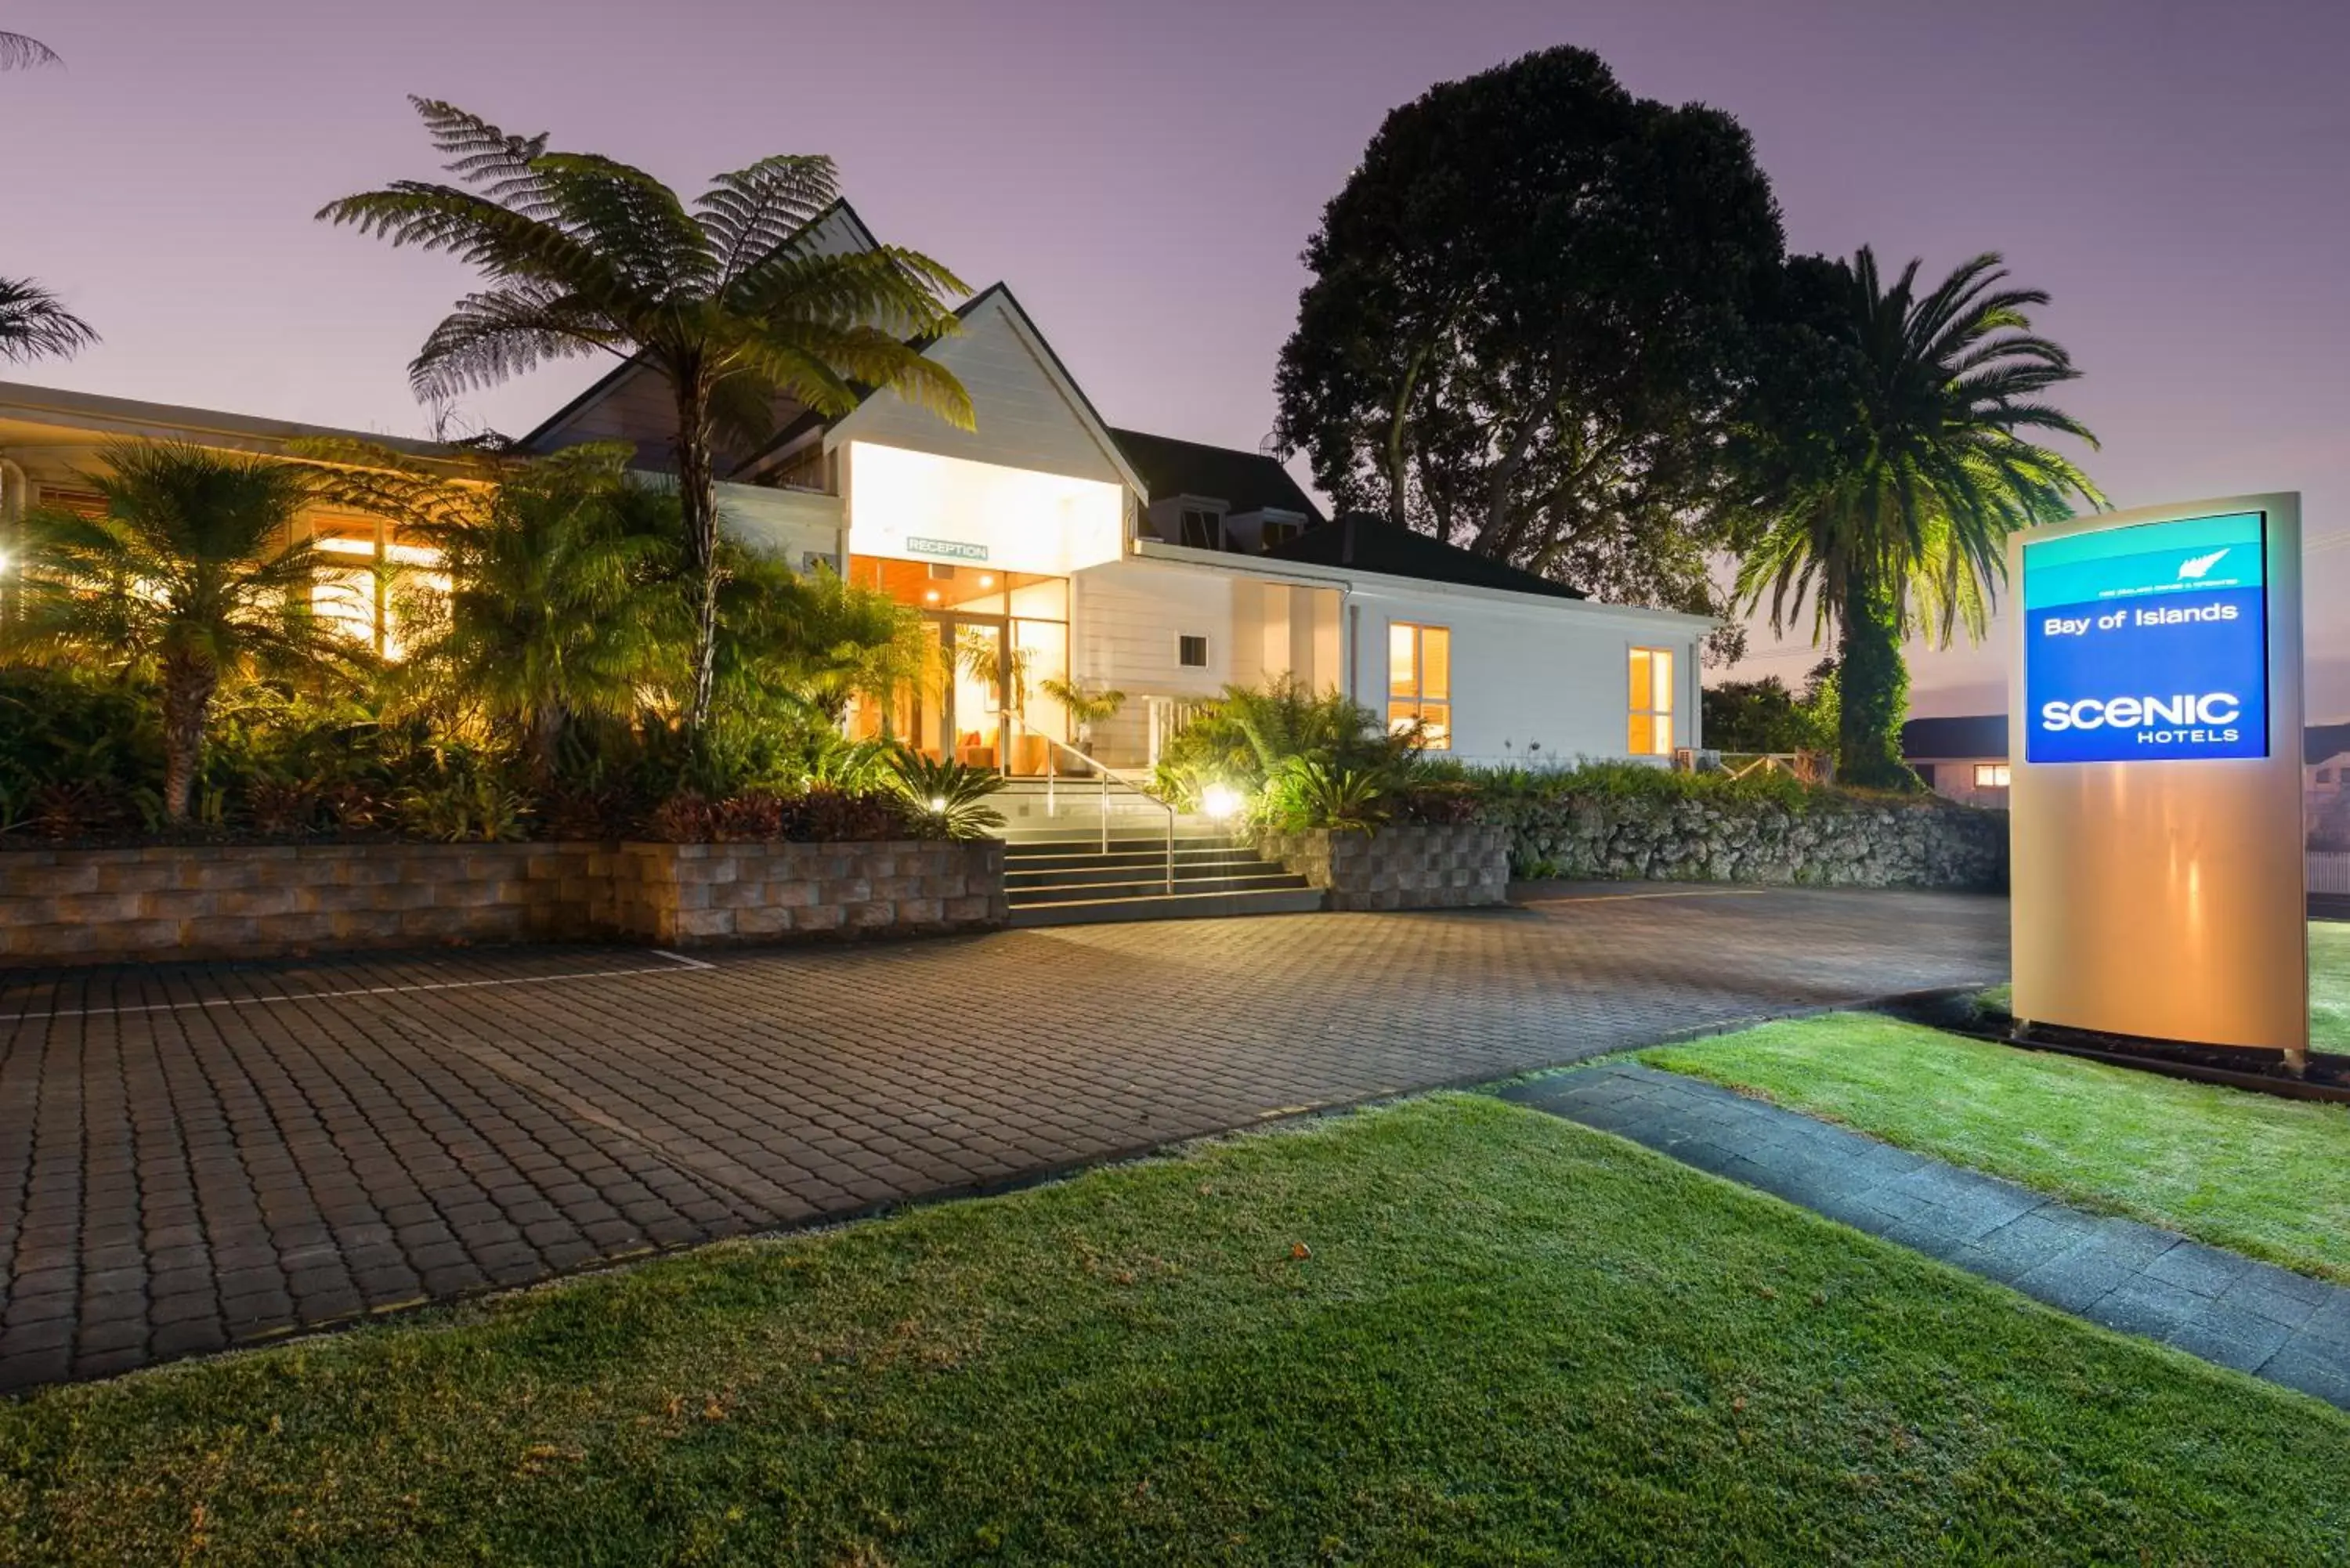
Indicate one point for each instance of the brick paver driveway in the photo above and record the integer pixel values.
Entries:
(196, 1156)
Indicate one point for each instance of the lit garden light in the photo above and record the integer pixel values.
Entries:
(1219, 801)
(938, 803)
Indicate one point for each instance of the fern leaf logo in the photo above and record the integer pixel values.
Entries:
(2195, 568)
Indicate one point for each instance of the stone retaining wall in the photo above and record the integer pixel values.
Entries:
(1401, 867)
(274, 900)
(684, 894)
(1835, 841)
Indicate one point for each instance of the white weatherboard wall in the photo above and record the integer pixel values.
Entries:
(1528, 669)
(794, 525)
(1026, 414)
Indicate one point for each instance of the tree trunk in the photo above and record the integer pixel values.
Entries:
(545, 734)
(1873, 690)
(698, 495)
(1398, 470)
(188, 686)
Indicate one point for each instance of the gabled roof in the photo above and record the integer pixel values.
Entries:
(1243, 481)
(1369, 544)
(1974, 735)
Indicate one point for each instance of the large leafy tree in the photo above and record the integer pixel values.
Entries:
(33, 323)
(583, 254)
(1895, 449)
(1525, 331)
(192, 569)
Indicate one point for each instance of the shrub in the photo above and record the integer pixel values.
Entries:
(836, 816)
(1246, 735)
(1305, 793)
(80, 755)
(947, 797)
(1440, 802)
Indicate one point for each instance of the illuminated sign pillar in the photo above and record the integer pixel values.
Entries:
(2154, 734)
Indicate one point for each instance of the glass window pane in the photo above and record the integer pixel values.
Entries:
(1402, 716)
(1636, 739)
(1437, 720)
(1641, 681)
(1661, 662)
(1403, 672)
(1435, 663)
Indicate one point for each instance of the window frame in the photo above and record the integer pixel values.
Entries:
(1206, 653)
(1636, 716)
(1410, 704)
(2002, 775)
(1213, 519)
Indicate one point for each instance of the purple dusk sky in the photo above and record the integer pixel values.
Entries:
(2178, 175)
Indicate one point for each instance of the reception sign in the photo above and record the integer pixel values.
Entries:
(2147, 642)
(2155, 827)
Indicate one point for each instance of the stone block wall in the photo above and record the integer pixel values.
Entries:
(684, 894)
(228, 901)
(1403, 865)
(1838, 841)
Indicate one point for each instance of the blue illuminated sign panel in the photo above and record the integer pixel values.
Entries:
(2147, 642)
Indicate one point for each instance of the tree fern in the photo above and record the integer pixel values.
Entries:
(583, 254)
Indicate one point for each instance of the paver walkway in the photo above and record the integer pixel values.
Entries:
(2223, 1307)
(197, 1156)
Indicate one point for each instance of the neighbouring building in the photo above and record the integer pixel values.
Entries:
(1045, 545)
(1966, 759)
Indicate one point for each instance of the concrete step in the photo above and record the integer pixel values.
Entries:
(1163, 907)
(1058, 851)
(1134, 886)
(1103, 870)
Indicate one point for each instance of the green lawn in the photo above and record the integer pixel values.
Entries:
(2265, 1176)
(1448, 1331)
(2329, 985)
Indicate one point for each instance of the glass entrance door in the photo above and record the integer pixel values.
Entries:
(976, 692)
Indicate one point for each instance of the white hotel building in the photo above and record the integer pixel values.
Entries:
(1107, 558)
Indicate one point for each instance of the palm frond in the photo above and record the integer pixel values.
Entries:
(34, 323)
(750, 213)
(18, 52)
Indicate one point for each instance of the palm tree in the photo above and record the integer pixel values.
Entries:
(1905, 461)
(192, 569)
(584, 254)
(561, 575)
(32, 322)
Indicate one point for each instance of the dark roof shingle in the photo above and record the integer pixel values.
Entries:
(1243, 481)
(1370, 544)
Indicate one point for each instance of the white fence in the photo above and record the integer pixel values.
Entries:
(2330, 874)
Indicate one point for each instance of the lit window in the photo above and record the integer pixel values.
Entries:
(1201, 529)
(1650, 732)
(1192, 652)
(359, 598)
(1419, 683)
(1991, 775)
(1276, 534)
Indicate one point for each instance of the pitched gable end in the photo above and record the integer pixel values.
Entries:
(1029, 412)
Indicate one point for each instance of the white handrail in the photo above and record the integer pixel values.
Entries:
(1108, 776)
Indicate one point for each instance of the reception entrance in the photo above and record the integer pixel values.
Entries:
(1001, 636)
